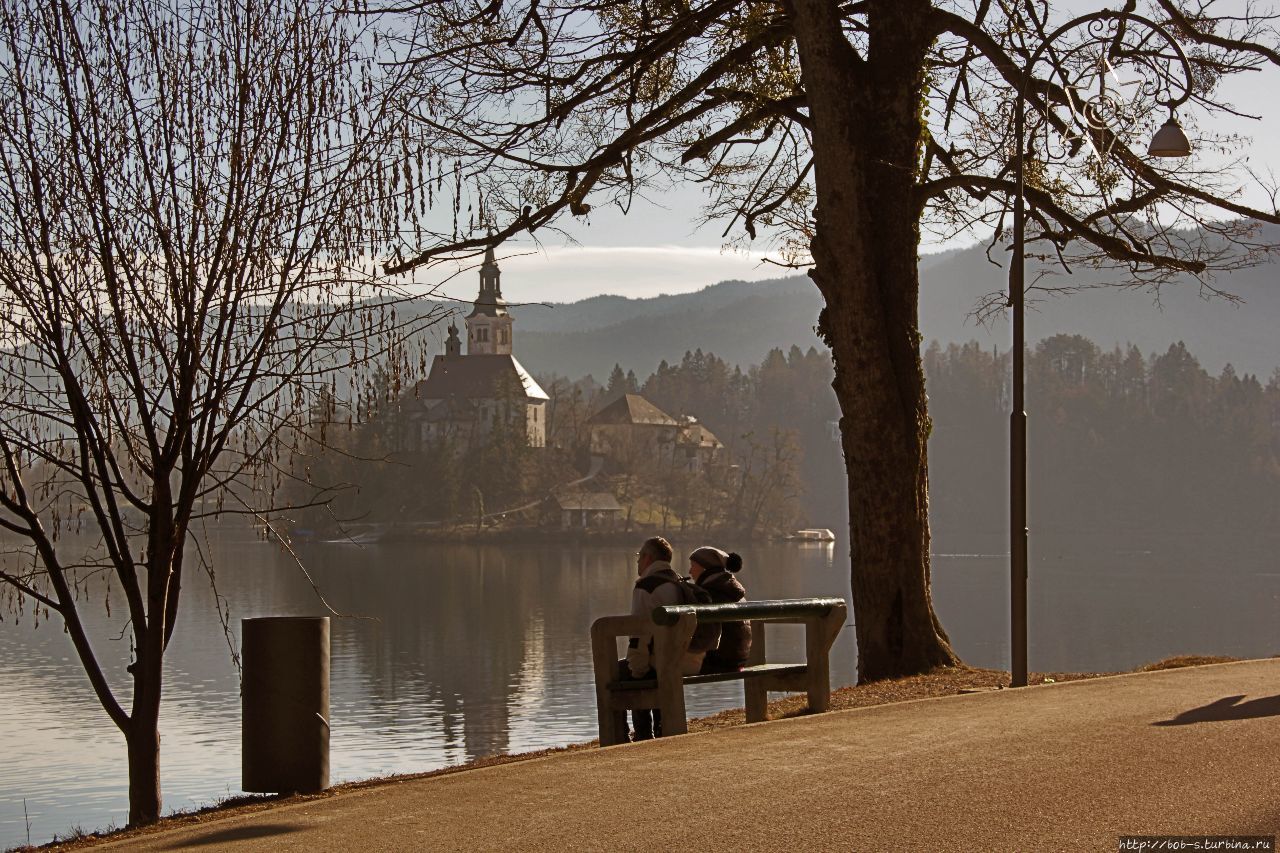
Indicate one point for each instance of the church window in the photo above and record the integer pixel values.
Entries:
(502, 336)
(482, 334)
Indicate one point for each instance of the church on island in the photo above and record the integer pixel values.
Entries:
(467, 395)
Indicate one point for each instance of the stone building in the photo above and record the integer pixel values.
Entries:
(631, 431)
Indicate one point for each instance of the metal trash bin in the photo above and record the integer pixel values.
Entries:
(285, 704)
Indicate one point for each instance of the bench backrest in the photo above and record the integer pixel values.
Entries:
(783, 610)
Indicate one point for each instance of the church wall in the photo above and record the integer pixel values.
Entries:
(536, 422)
(489, 335)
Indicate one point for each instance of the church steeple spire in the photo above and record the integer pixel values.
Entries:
(489, 324)
(490, 279)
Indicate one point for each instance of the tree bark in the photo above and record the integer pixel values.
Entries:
(143, 739)
(867, 134)
(143, 733)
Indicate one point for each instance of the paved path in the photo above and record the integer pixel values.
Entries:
(1060, 767)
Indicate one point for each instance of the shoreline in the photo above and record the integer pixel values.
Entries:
(468, 535)
(944, 681)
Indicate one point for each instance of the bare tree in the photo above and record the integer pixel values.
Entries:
(191, 197)
(839, 130)
(769, 483)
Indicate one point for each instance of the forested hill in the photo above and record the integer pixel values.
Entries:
(738, 321)
(741, 322)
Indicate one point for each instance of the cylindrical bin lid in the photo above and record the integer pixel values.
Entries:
(285, 704)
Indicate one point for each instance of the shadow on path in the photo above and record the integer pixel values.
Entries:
(1227, 708)
(239, 833)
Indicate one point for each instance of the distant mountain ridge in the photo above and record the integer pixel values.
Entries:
(738, 321)
(741, 321)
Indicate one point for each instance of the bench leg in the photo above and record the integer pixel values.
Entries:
(819, 678)
(617, 728)
(671, 703)
(757, 701)
(612, 721)
(819, 634)
(669, 646)
(757, 695)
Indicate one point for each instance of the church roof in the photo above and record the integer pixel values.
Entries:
(489, 306)
(632, 409)
(477, 377)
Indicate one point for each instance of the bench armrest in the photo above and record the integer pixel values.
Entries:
(786, 610)
(605, 632)
(670, 642)
(607, 627)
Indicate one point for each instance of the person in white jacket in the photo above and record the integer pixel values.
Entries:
(658, 585)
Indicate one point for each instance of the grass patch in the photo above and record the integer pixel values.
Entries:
(1179, 661)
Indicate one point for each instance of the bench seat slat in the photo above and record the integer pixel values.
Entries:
(758, 671)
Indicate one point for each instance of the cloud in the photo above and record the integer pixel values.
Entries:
(567, 274)
(570, 273)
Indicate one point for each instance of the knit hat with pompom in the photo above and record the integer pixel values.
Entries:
(713, 558)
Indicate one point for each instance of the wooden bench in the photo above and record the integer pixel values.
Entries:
(673, 625)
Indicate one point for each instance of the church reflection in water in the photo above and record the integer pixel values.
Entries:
(485, 643)
(481, 650)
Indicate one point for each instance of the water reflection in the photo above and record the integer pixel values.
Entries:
(452, 652)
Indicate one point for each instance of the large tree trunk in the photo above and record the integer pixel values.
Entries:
(867, 132)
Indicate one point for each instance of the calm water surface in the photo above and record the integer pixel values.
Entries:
(455, 652)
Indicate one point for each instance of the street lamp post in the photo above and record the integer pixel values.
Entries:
(1104, 26)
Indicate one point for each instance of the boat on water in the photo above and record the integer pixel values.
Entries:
(812, 534)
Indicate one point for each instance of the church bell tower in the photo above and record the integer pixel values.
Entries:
(489, 324)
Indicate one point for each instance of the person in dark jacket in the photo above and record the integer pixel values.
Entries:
(714, 571)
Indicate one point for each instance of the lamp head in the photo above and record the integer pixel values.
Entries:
(1170, 141)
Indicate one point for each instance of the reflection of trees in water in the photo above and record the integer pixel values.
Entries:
(476, 650)
(484, 620)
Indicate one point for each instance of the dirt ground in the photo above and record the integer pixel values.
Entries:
(946, 681)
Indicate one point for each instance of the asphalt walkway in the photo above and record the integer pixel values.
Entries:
(1069, 766)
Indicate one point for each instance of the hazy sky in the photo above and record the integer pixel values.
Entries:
(660, 248)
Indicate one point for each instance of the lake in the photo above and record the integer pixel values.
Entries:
(452, 652)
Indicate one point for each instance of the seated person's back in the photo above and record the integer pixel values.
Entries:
(714, 570)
